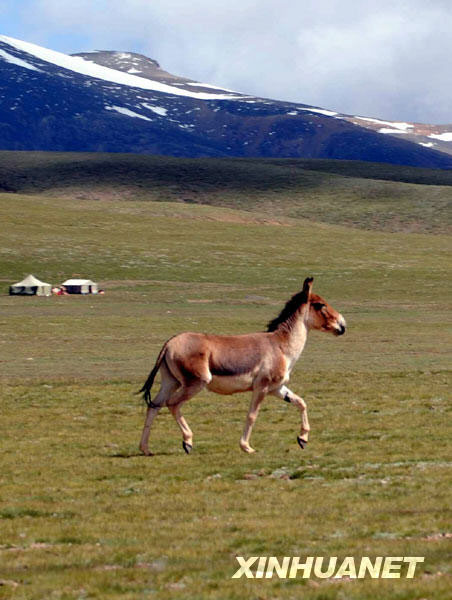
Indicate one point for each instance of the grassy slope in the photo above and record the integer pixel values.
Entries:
(83, 516)
(363, 195)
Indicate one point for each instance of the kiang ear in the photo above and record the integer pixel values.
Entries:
(307, 285)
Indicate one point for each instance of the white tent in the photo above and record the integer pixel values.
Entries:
(80, 286)
(30, 286)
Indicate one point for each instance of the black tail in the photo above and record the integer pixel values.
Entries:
(146, 389)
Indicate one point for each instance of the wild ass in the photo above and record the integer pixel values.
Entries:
(257, 362)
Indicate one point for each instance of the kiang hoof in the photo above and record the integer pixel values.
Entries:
(146, 452)
(301, 442)
(187, 447)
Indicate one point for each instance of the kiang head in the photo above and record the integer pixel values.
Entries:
(320, 314)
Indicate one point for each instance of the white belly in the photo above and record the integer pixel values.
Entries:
(233, 384)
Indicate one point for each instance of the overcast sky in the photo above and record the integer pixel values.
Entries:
(389, 59)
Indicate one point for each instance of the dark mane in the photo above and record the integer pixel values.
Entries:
(289, 311)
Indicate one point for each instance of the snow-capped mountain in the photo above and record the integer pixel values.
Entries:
(124, 102)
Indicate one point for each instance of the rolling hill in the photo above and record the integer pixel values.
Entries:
(358, 194)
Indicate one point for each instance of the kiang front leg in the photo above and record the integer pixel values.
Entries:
(285, 394)
(256, 400)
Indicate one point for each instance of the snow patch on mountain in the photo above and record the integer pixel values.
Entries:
(391, 130)
(159, 110)
(17, 61)
(394, 125)
(444, 137)
(127, 112)
(321, 111)
(210, 86)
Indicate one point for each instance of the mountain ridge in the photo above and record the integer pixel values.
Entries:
(52, 101)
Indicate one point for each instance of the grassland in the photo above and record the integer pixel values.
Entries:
(82, 515)
(356, 194)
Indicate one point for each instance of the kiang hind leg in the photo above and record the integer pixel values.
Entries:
(184, 393)
(151, 413)
(194, 377)
(168, 386)
(187, 433)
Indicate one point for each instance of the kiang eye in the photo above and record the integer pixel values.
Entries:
(318, 305)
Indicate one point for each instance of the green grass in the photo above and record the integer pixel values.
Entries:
(83, 515)
(84, 511)
(351, 193)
